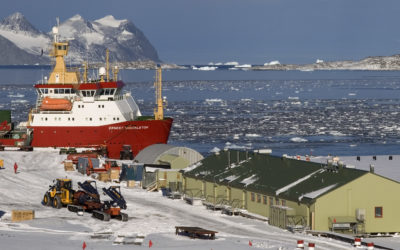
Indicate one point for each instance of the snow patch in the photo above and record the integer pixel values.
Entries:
(193, 166)
(249, 180)
(285, 188)
(315, 194)
(272, 63)
(110, 21)
(298, 139)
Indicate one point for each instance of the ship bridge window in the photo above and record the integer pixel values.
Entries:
(61, 91)
(88, 93)
(67, 91)
(107, 92)
(55, 91)
(62, 47)
(44, 91)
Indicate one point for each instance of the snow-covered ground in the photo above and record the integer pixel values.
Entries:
(150, 215)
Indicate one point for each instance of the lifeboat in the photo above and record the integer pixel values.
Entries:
(59, 104)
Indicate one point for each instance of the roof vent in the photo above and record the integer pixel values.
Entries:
(358, 158)
(371, 168)
(374, 157)
(390, 157)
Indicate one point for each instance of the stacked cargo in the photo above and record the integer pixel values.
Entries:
(5, 122)
(68, 165)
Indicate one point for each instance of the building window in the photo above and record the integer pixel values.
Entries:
(252, 197)
(258, 198)
(378, 212)
(271, 201)
(265, 200)
(276, 201)
(79, 106)
(283, 203)
(73, 118)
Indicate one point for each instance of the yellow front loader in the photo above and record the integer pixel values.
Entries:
(59, 194)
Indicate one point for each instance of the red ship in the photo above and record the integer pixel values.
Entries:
(76, 112)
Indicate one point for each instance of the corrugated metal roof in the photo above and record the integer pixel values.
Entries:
(272, 175)
(151, 154)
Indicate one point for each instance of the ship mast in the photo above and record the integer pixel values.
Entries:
(159, 110)
(107, 65)
(60, 74)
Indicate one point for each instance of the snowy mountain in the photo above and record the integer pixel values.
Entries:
(88, 41)
(369, 63)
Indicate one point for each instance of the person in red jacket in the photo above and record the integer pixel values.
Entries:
(15, 168)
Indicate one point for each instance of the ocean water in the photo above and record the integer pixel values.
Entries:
(290, 112)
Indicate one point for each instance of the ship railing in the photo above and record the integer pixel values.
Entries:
(37, 111)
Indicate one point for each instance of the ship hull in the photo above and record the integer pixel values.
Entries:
(138, 134)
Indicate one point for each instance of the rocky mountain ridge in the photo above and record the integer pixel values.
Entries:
(21, 43)
(369, 63)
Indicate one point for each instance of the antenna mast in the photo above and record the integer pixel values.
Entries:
(159, 110)
(107, 64)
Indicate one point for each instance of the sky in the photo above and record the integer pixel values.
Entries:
(246, 31)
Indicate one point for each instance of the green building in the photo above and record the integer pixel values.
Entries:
(296, 194)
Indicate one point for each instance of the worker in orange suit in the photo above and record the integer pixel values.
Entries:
(15, 168)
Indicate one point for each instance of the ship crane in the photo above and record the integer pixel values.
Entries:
(159, 110)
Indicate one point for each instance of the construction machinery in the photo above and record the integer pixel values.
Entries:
(59, 194)
(74, 156)
(109, 164)
(126, 153)
(112, 208)
(88, 200)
